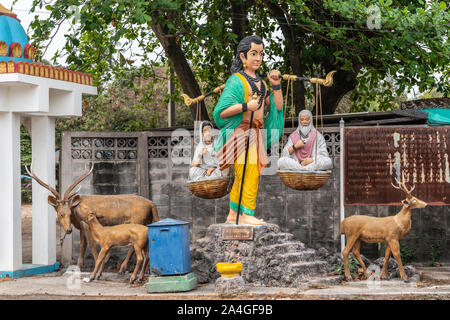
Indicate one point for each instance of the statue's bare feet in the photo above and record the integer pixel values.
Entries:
(244, 218)
(247, 219)
(231, 217)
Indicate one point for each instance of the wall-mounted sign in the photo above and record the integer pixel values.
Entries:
(374, 157)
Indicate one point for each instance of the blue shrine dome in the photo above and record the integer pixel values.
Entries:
(14, 44)
(17, 55)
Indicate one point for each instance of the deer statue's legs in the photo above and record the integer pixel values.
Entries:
(105, 260)
(387, 255)
(80, 261)
(350, 242)
(395, 247)
(90, 240)
(146, 261)
(138, 263)
(98, 262)
(355, 250)
(124, 264)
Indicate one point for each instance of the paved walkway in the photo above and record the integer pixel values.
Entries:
(59, 285)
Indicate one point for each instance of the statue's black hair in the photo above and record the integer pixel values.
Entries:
(243, 47)
(205, 124)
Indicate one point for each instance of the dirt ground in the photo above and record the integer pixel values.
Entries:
(27, 235)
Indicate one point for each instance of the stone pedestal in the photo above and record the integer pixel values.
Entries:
(271, 258)
(233, 285)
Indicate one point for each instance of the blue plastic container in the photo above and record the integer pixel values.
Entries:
(169, 247)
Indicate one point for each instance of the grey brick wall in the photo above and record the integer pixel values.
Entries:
(312, 216)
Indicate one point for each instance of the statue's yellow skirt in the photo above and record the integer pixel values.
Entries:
(251, 182)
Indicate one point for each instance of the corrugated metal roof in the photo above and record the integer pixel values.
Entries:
(443, 103)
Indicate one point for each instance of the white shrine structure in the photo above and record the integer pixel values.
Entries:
(35, 94)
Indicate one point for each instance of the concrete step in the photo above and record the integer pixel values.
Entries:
(283, 237)
(300, 272)
(309, 269)
(274, 238)
(291, 246)
(299, 256)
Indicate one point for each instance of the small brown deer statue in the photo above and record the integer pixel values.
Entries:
(135, 235)
(390, 230)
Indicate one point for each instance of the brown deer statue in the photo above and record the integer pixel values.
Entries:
(120, 235)
(390, 230)
(73, 209)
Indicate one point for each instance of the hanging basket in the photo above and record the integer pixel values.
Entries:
(311, 180)
(211, 189)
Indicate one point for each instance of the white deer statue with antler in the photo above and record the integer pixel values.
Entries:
(390, 230)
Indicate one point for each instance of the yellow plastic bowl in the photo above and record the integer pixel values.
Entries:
(229, 269)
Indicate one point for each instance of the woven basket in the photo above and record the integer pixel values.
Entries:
(211, 189)
(304, 180)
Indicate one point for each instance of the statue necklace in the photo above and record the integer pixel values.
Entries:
(252, 80)
(303, 137)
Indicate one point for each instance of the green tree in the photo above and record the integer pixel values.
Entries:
(409, 43)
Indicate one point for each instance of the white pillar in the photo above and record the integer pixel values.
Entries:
(10, 198)
(44, 216)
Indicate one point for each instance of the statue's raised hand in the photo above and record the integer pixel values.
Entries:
(299, 144)
(274, 77)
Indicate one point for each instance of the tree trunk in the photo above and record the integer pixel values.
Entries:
(343, 82)
(181, 67)
(293, 52)
(238, 23)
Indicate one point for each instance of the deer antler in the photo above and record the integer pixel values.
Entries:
(73, 185)
(74, 193)
(46, 186)
(406, 189)
(402, 185)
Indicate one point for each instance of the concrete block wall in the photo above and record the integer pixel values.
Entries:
(312, 216)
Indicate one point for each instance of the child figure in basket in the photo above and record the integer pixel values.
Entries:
(299, 154)
(205, 164)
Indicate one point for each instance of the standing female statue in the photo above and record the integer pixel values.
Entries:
(232, 115)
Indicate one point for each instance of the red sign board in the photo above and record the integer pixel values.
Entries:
(374, 157)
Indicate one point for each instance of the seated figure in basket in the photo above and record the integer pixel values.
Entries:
(205, 164)
(299, 153)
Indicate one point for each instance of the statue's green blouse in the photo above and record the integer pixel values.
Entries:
(233, 93)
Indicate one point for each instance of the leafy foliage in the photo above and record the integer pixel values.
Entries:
(25, 160)
(435, 253)
(407, 254)
(409, 49)
(127, 106)
(353, 265)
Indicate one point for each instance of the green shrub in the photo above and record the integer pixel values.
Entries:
(352, 263)
(407, 253)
